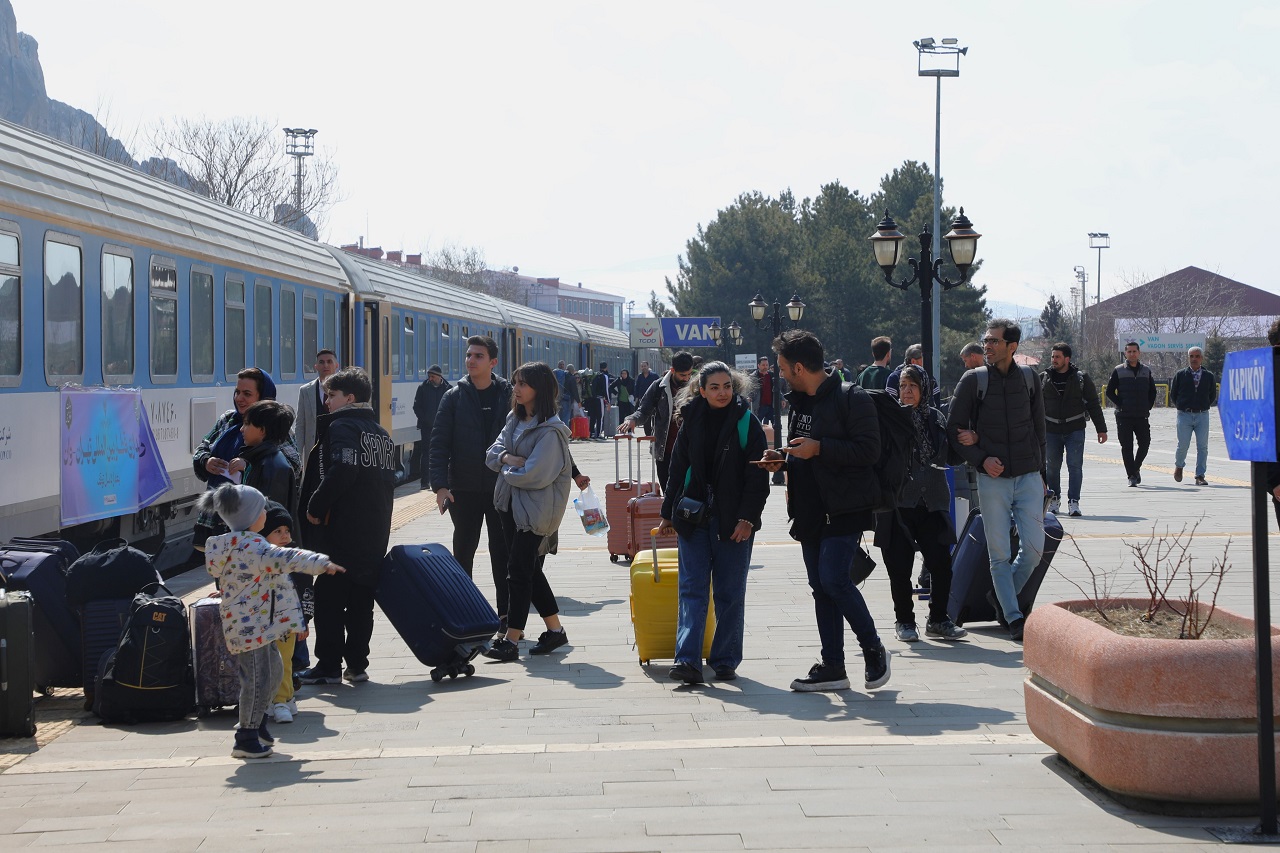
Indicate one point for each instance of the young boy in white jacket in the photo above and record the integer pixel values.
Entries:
(248, 569)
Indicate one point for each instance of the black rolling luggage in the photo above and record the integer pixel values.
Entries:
(101, 624)
(39, 567)
(437, 610)
(148, 676)
(17, 665)
(971, 571)
(216, 673)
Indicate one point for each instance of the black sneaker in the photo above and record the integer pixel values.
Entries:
(995, 604)
(503, 650)
(686, 672)
(548, 642)
(822, 676)
(264, 736)
(877, 667)
(248, 746)
(944, 629)
(925, 581)
(1015, 629)
(726, 673)
(318, 676)
(907, 632)
(502, 628)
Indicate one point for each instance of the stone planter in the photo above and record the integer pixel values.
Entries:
(1168, 721)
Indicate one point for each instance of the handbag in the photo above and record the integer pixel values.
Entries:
(694, 512)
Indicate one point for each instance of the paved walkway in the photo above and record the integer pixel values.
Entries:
(585, 750)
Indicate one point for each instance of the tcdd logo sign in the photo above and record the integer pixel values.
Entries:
(686, 332)
(1247, 405)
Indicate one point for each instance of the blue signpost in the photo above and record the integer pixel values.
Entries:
(1247, 407)
(682, 333)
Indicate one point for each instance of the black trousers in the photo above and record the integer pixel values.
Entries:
(526, 582)
(1129, 429)
(926, 532)
(421, 455)
(470, 512)
(343, 622)
(595, 413)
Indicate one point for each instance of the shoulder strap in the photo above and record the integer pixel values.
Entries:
(744, 424)
(983, 378)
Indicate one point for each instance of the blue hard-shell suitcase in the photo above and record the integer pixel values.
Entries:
(101, 624)
(971, 571)
(39, 567)
(435, 607)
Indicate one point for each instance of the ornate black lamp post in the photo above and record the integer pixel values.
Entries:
(795, 310)
(962, 241)
(735, 335)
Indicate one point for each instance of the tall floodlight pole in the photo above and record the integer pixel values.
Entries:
(299, 143)
(937, 61)
(1099, 240)
(1083, 278)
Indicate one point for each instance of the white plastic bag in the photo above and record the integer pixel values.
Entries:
(594, 521)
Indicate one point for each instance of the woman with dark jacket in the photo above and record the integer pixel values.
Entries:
(216, 459)
(922, 521)
(625, 390)
(711, 462)
(272, 465)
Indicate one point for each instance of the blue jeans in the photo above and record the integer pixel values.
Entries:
(1188, 423)
(1073, 444)
(566, 409)
(1022, 498)
(709, 564)
(835, 598)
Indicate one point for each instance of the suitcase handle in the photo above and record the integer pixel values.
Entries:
(657, 487)
(653, 541)
(617, 462)
(4, 665)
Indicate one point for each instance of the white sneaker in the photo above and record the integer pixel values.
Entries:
(1074, 507)
(281, 713)
(1054, 505)
(292, 705)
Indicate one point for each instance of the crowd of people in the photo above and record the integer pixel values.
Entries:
(496, 454)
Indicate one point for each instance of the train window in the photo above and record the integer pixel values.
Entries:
(10, 309)
(386, 346)
(201, 325)
(396, 334)
(164, 320)
(288, 332)
(233, 323)
(423, 361)
(262, 325)
(63, 310)
(117, 315)
(310, 331)
(446, 350)
(331, 327)
(409, 372)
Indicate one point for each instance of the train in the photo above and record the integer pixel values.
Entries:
(109, 277)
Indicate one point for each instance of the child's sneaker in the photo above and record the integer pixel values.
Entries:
(264, 736)
(248, 745)
(292, 705)
(281, 714)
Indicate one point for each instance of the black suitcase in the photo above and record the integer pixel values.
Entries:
(148, 675)
(101, 624)
(437, 610)
(39, 567)
(17, 665)
(971, 571)
(217, 675)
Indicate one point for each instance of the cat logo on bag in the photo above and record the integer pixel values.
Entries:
(158, 615)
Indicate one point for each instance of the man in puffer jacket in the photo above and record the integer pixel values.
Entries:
(1132, 390)
(1000, 433)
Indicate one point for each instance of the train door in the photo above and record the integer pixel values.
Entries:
(376, 353)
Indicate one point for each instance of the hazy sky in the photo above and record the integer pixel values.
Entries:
(589, 140)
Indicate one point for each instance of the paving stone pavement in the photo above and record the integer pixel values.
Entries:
(585, 750)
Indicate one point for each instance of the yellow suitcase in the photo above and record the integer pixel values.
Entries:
(655, 603)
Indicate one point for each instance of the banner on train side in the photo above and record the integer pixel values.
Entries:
(110, 463)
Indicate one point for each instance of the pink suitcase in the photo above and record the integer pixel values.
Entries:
(644, 512)
(620, 493)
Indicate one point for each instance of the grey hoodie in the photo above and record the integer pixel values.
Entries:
(537, 493)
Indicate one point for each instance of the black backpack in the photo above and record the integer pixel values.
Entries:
(147, 676)
(897, 443)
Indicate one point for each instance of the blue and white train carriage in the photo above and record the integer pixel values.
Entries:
(110, 277)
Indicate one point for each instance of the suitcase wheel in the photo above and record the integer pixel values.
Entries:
(470, 670)
(613, 558)
(436, 675)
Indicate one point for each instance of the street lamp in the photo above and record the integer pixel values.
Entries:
(937, 61)
(734, 331)
(1099, 240)
(962, 242)
(1083, 278)
(299, 143)
(795, 310)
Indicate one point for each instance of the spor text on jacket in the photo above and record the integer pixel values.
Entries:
(249, 570)
(461, 437)
(353, 501)
(1132, 390)
(1077, 404)
(1009, 421)
(740, 489)
(849, 431)
(538, 491)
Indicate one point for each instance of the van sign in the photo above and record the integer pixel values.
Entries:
(688, 332)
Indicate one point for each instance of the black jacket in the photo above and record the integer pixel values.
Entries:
(1132, 390)
(356, 465)
(1068, 412)
(740, 489)
(846, 424)
(601, 385)
(1009, 421)
(270, 471)
(426, 402)
(460, 438)
(1186, 397)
